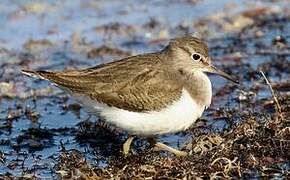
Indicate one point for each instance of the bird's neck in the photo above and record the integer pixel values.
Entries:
(194, 81)
(199, 86)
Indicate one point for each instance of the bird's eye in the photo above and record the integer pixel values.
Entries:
(195, 56)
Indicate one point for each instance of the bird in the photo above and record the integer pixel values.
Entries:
(147, 94)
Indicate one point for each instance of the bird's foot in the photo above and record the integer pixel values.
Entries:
(127, 145)
(176, 152)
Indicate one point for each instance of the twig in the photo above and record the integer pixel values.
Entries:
(273, 94)
(231, 164)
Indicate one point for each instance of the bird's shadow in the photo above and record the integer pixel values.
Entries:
(105, 141)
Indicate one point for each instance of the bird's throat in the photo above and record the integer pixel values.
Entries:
(199, 86)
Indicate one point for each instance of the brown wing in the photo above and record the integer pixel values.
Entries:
(127, 84)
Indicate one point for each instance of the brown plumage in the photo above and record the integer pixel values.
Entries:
(148, 82)
(135, 83)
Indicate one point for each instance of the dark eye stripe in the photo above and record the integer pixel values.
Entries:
(187, 50)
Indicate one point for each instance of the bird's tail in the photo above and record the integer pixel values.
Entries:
(56, 78)
(36, 74)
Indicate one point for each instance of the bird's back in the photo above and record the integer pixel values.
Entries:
(133, 83)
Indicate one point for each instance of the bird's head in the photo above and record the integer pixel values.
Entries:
(192, 53)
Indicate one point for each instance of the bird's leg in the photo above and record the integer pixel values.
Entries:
(162, 146)
(127, 144)
(170, 149)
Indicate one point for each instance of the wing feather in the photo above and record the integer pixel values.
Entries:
(124, 84)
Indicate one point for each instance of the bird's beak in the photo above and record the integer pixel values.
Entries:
(212, 69)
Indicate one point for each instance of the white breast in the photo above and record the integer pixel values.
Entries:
(176, 117)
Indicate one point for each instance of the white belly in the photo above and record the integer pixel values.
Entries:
(176, 117)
